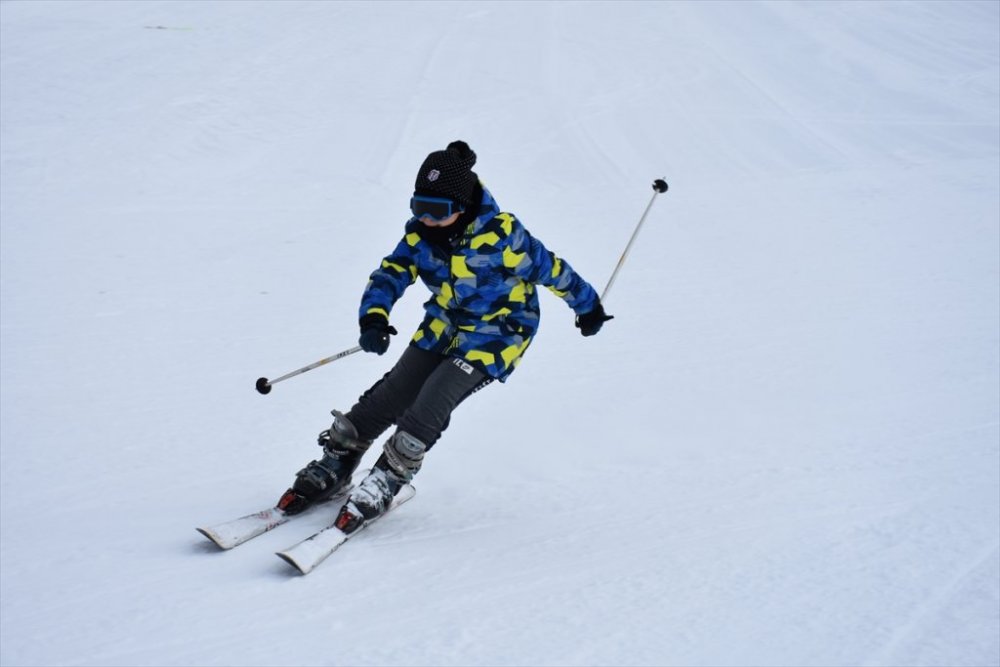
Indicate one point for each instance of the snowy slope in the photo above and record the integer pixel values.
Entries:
(785, 449)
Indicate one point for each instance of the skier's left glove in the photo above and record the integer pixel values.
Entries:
(375, 332)
(590, 323)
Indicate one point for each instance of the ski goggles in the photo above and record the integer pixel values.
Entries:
(436, 208)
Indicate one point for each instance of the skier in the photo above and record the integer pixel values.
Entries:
(481, 266)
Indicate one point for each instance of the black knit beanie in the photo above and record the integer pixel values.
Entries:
(449, 174)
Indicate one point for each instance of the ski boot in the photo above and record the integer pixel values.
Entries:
(400, 461)
(324, 478)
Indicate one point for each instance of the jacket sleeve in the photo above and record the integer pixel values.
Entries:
(531, 261)
(388, 282)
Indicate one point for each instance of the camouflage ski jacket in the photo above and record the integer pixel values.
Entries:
(484, 308)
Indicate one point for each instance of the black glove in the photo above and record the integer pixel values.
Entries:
(590, 323)
(375, 332)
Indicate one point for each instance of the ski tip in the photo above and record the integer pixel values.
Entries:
(291, 561)
(215, 538)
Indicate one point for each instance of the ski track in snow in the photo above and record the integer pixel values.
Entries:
(784, 449)
(927, 615)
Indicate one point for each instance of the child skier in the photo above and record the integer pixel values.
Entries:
(481, 266)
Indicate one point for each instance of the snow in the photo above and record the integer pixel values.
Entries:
(784, 449)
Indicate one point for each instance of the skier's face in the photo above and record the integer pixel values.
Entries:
(431, 222)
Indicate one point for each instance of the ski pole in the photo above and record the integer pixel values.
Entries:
(659, 185)
(264, 385)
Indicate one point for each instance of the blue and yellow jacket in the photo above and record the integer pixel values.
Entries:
(484, 308)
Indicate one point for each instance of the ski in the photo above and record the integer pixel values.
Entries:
(310, 552)
(229, 534)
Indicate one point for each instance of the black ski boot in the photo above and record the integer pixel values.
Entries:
(400, 461)
(324, 478)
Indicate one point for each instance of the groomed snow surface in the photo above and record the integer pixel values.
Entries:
(782, 451)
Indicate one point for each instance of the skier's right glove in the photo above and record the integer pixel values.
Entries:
(375, 332)
(590, 323)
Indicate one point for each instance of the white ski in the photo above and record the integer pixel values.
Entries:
(229, 534)
(316, 548)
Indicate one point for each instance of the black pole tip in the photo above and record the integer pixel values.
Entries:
(263, 386)
(660, 185)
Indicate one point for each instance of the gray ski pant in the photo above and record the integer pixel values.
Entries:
(418, 395)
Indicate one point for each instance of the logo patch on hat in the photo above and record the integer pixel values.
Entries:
(433, 174)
